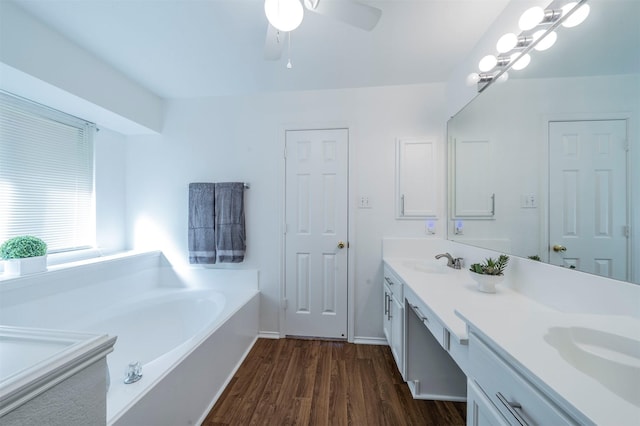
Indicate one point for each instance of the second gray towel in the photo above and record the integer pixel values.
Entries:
(229, 222)
(202, 240)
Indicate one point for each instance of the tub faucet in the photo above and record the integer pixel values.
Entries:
(451, 262)
(133, 373)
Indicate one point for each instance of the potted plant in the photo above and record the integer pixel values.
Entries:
(489, 273)
(24, 255)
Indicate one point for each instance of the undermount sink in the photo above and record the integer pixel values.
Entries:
(612, 360)
(427, 266)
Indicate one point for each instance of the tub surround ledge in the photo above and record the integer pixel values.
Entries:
(35, 361)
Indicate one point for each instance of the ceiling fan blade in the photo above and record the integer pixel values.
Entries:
(350, 12)
(273, 44)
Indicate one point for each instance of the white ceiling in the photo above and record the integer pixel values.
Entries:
(198, 48)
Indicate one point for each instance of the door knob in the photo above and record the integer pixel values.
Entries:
(340, 245)
(559, 249)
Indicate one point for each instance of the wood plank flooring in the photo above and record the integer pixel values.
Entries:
(314, 382)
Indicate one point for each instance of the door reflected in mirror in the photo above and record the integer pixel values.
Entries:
(550, 158)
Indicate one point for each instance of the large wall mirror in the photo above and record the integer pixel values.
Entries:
(547, 164)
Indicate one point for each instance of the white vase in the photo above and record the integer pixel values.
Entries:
(25, 266)
(486, 283)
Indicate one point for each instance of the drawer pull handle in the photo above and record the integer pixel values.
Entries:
(421, 317)
(388, 280)
(386, 303)
(513, 408)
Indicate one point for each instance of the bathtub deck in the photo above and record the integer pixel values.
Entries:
(310, 382)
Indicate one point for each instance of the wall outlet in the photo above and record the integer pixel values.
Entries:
(458, 228)
(364, 202)
(430, 227)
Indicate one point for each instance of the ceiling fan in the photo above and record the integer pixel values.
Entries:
(285, 15)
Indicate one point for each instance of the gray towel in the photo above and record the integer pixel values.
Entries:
(202, 239)
(229, 219)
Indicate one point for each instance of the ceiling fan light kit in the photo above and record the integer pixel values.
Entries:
(287, 15)
(284, 15)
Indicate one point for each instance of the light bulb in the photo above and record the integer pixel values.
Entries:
(548, 41)
(520, 61)
(284, 15)
(530, 18)
(503, 77)
(576, 17)
(289, 66)
(473, 79)
(487, 63)
(507, 42)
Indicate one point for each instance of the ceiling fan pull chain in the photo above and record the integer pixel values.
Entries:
(289, 66)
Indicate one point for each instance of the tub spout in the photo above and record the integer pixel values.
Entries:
(133, 373)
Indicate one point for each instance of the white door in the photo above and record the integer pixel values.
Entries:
(588, 196)
(316, 233)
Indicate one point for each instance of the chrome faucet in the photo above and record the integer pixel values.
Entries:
(451, 262)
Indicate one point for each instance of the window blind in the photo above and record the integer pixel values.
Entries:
(46, 175)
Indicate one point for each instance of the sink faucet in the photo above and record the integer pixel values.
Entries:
(451, 262)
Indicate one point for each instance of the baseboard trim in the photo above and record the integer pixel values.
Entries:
(268, 335)
(370, 341)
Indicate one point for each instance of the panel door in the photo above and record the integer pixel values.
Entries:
(316, 233)
(588, 196)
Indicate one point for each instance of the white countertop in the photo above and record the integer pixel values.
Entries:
(518, 326)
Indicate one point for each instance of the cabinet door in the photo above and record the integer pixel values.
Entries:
(480, 411)
(473, 195)
(386, 316)
(397, 333)
(416, 176)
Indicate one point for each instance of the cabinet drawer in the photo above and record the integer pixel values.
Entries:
(430, 321)
(394, 284)
(516, 399)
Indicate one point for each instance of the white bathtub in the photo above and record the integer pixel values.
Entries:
(189, 329)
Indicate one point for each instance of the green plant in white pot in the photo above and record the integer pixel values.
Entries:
(24, 255)
(489, 273)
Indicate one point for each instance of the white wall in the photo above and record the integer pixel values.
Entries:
(241, 139)
(68, 75)
(109, 172)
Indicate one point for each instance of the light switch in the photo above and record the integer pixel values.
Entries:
(529, 201)
(364, 202)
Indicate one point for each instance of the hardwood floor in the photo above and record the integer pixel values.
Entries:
(313, 382)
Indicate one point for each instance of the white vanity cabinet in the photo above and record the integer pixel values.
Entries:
(480, 410)
(393, 319)
(499, 394)
(430, 370)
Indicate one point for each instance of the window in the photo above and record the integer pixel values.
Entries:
(46, 175)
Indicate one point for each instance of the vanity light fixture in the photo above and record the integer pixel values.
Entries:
(475, 78)
(531, 18)
(284, 15)
(506, 43)
(577, 17)
(548, 40)
(520, 61)
(487, 63)
(490, 66)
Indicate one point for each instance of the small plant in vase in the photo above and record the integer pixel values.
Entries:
(489, 273)
(24, 255)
